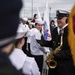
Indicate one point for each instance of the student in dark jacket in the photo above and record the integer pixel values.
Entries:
(52, 26)
(9, 20)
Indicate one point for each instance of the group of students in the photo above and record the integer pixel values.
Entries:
(34, 48)
(19, 59)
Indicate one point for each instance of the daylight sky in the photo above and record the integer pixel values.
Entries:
(29, 6)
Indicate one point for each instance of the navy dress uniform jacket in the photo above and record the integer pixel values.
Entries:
(63, 58)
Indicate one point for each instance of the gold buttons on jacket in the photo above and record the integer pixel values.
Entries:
(56, 43)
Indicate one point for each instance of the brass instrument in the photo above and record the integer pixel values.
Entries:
(50, 58)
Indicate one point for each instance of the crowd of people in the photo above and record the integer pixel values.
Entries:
(22, 44)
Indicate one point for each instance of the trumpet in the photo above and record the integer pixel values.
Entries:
(50, 58)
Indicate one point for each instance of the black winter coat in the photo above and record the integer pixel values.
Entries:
(6, 67)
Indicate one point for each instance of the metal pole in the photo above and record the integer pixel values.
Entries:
(24, 7)
(32, 8)
(24, 11)
(50, 13)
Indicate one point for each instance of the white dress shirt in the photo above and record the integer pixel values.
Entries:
(58, 29)
(21, 61)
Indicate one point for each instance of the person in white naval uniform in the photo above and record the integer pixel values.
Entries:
(24, 23)
(36, 50)
(31, 26)
(19, 59)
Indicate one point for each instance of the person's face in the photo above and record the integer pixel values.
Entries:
(52, 23)
(30, 26)
(24, 22)
(61, 22)
(39, 26)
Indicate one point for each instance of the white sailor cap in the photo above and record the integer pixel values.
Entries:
(39, 21)
(62, 13)
(20, 32)
(25, 19)
(32, 23)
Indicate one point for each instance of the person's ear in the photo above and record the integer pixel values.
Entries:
(67, 20)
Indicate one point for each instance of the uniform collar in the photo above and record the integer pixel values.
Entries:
(58, 29)
(18, 58)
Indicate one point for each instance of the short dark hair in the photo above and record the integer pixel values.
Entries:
(52, 21)
(35, 15)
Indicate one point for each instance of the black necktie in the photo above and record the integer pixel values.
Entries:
(61, 31)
